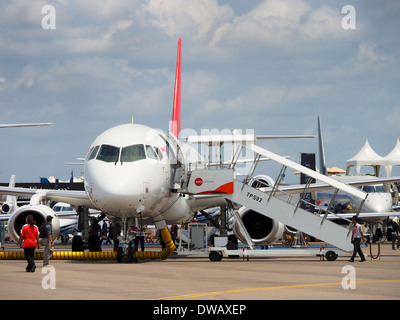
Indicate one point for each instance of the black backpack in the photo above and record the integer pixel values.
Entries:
(42, 231)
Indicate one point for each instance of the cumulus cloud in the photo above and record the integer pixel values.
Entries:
(195, 18)
(266, 64)
(281, 23)
(25, 79)
(265, 98)
(364, 60)
(367, 57)
(120, 25)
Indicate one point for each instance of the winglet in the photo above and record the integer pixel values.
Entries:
(176, 112)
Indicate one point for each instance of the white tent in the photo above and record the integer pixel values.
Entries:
(365, 157)
(392, 159)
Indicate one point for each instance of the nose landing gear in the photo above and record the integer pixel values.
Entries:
(126, 253)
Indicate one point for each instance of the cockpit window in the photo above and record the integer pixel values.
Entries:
(93, 152)
(151, 154)
(108, 153)
(368, 189)
(159, 153)
(133, 153)
(373, 189)
(62, 208)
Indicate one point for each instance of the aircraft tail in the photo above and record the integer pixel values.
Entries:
(322, 163)
(176, 112)
(10, 205)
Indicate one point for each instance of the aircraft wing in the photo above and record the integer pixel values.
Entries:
(227, 163)
(25, 125)
(4, 217)
(76, 198)
(320, 186)
(239, 138)
(273, 137)
(363, 215)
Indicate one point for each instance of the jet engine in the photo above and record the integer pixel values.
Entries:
(261, 181)
(39, 213)
(262, 230)
(6, 207)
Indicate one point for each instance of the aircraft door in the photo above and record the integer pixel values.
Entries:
(178, 161)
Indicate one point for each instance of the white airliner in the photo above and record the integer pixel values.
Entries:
(10, 205)
(129, 174)
(132, 172)
(67, 216)
(378, 205)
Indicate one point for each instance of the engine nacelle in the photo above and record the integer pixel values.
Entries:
(261, 181)
(6, 207)
(262, 230)
(39, 213)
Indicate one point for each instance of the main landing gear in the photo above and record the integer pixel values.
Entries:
(86, 239)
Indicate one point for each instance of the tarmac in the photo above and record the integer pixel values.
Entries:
(195, 277)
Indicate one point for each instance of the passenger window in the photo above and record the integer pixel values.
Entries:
(108, 153)
(93, 152)
(133, 153)
(151, 153)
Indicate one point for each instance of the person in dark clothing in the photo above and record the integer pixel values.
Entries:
(104, 232)
(94, 235)
(110, 233)
(174, 233)
(395, 233)
(139, 237)
(48, 241)
(356, 237)
(116, 233)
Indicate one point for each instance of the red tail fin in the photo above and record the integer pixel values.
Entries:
(176, 112)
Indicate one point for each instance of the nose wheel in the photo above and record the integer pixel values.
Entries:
(126, 255)
(126, 252)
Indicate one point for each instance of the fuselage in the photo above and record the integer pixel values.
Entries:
(378, 201)
(129, 172)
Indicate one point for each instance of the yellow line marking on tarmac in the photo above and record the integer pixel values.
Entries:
(205, 294)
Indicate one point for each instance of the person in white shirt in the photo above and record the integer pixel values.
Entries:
(356, 237)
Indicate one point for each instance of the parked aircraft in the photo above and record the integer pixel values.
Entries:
(11, 201)
(68, 217)
(130, 173)
(378, 206)
(134, 172)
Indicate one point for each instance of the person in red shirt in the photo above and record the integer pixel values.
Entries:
(30, 238)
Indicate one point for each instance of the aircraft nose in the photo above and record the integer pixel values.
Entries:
(378, 203)
(111, 191)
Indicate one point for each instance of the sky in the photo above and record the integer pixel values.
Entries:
(267, 66)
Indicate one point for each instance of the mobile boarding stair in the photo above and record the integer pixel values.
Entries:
(217, 177)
